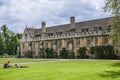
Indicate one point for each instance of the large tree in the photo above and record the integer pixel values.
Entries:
(2, 44)
(113, 6)
(9, 41)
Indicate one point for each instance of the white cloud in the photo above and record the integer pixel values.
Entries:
(18, 13)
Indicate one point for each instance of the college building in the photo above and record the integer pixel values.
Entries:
(70, 36)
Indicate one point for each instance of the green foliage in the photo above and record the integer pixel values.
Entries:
(64, 53)
(2, 44)
(109, 52)
(82, 52)
(113, 6)
(98, 51)
(19, 35)
(49, 52)
(62, 70)
(41, 53)
(8, 40)
(5, 56)
(103, 52)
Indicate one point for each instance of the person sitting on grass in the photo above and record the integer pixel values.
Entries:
(17, 66)
(7, 64)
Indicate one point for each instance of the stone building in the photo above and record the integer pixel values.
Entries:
(70, 36)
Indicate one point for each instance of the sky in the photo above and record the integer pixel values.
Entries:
(16, 14)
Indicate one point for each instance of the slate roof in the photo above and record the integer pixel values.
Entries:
(104, 23)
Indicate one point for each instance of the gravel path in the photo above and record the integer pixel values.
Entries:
(37, 62)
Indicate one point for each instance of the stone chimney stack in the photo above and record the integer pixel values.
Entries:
(72, 22)
(43, 27)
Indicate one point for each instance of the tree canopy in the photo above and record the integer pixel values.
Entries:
(8, 41)
(113, 6)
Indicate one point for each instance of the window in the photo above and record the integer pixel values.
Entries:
(23, 46)
(38, 35)
(67, 43)
(26, 36)
(59, 43)
(85, 30)
(97, 28)
(50, 34)
(59, 33)
(109, 28)
(88, 41)
(96, 40)
(67, 32)
(73, 30)
(78, 42)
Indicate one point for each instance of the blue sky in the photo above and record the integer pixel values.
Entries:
(18, 13)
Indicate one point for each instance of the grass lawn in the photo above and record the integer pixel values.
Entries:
(65, 70)
(15, 60)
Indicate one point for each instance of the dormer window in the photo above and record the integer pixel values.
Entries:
(59, 33)
(97, 28)
(85, 30)
(50, 34)
(67, 32)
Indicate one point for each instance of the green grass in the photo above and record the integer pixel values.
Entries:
(15, 60)
(65, 70)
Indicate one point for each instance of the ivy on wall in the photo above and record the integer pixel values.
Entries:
(103, 52)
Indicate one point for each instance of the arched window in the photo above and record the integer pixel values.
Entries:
(96, 40)
(23, 46)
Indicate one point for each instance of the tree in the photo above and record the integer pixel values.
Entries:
(64, 53)
(9, 42)
(2, 44)
(113, 6)
(82, 52)
(49, 52)
(19, 35)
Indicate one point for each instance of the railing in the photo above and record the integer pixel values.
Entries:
(74, 35)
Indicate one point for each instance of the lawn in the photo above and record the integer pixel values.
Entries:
(65, 70)
(16, 60)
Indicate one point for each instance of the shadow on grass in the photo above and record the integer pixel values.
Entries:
(116, 64)
(111, 74)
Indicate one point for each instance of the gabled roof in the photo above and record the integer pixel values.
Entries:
(31, 31)
(104, 22)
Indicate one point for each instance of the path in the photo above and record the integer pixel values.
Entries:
(37, 62)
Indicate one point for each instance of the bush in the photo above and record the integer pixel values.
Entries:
(49, 52)
(5, 56)
(64, 53)
(103, 52)
(82, 52)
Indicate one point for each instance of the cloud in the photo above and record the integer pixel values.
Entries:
(18, 13)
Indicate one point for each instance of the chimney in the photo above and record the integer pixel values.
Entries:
(43, 27)
(72, 22)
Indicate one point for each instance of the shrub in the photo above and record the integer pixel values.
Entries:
(49, 52)
(103, 52)
(82, 52)
(64, 53)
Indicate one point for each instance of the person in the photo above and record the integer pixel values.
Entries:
(17, 66)
(7, 64)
